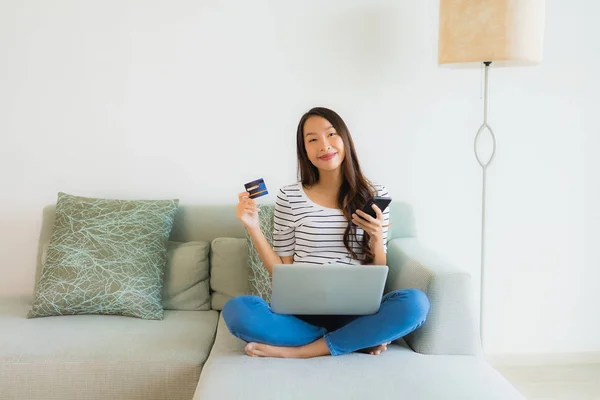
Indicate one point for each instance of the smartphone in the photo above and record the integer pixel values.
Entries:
(381, 202)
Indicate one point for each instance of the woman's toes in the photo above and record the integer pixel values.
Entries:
(252, 350)
(375, 350)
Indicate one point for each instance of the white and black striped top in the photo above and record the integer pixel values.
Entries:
(312, 233)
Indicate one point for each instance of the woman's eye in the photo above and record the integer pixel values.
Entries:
(311, 140)
(332, 133)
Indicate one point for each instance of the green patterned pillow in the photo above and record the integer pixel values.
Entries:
(106, 257)
(260, 281)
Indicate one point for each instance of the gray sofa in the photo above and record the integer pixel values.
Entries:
(191, 354)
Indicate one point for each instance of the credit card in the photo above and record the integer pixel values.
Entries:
(256, 188)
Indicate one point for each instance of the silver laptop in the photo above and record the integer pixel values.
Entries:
(330, 289)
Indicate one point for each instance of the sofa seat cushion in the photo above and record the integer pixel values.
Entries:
(100, 356)
(399, 373)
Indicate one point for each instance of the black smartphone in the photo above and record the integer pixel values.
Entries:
(381, 202)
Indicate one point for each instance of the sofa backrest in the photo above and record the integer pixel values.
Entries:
(228, 254)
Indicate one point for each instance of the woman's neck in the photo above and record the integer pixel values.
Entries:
(330, 181)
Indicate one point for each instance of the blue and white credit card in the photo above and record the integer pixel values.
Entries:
(256, 188)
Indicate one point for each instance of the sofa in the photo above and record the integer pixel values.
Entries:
(191, 354)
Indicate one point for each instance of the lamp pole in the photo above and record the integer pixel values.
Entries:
(484, 166)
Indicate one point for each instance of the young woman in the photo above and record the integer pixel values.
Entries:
(318, 220)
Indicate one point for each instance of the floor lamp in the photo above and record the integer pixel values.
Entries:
(481, 33)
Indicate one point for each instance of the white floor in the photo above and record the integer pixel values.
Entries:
(555, 379)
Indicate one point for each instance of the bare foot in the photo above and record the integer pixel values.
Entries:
(265, 350)
(314, 349)
(376, 350)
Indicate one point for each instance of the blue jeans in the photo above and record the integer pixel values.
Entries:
(402, 311)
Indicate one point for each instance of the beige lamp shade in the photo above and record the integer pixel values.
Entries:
(505, 32)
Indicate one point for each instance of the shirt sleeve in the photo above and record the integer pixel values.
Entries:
(284, 239)
(382, 192)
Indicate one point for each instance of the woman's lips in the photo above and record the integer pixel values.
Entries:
(328, 157)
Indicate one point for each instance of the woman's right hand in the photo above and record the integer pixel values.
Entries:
(247, 211)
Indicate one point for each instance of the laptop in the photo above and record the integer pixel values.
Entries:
(329, 289)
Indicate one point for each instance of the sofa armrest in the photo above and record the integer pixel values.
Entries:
(451, 326)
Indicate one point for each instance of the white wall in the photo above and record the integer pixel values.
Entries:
(190, 99)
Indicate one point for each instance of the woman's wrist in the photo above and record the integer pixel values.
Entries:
(376, 243)
(254, 230)
(255, 233)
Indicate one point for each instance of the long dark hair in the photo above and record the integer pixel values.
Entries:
(355, 190)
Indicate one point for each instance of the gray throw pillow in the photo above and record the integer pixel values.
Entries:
(186, 285)
(106, 257)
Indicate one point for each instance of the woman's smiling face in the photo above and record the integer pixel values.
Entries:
(324, 147)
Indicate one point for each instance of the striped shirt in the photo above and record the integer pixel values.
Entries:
(312, 233)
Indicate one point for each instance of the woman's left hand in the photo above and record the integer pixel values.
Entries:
(373, 226)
